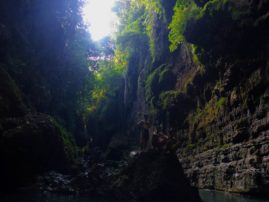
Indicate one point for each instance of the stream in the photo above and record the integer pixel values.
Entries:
(218, 196)
(27, 196)
(32, 196)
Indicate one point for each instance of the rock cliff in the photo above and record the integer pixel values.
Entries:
(211, 96)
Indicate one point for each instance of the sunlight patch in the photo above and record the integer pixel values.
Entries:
(99, 17)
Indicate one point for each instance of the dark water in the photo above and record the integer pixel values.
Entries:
(46, 197)
(217, 196)
(32, 196)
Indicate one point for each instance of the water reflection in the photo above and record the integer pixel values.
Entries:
(217, 196)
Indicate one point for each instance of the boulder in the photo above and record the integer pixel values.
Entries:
(154, 176)
(31, 145)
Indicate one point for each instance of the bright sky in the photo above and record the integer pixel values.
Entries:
(99, 16)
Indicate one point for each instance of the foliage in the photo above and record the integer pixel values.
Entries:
(70, 147)
(106, 80)
(184, 11)
(169, 99)
(152, 5)
(131, 43)
(45, 50)
(141, 17)
(195, 57)
(102, 113)
(130, 16)
(131, 39)
(120, 60)
(214, 6)
(153, 12)
(207, 114)
(221, 102)
(161, 79)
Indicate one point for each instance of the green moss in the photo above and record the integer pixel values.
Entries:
(184, 11)
(221, 102)
(11, 102)
(169, 99)
(158, 90)
(190, 147)
(153, 13)
(195, 57)
(225, 146)
(207, 114)
(214, 7)
(164, 74)
(160, 80)
(70, 147)
(151, 84)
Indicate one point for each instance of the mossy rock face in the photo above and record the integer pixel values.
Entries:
(206, 115)
(169, 99)
(32, 145)
(11, 102)
(160, 80)
(225, 26)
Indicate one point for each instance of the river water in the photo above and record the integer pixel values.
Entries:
(27, 196)
(217, 196)
(206, 195)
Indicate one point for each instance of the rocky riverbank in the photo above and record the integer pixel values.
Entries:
(151, 176)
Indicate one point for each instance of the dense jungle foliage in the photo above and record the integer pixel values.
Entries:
(63, 73)
(60, 71)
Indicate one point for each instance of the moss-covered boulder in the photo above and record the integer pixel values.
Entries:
(31, 145)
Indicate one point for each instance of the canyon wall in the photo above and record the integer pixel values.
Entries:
(211, 96)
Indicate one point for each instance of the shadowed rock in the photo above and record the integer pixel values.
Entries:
(154, 176)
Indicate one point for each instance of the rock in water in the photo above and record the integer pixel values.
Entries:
(154, 177)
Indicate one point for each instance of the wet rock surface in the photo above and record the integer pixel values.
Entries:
(151, 176)
(55, 182)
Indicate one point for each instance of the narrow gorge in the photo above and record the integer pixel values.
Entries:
(176, 101)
